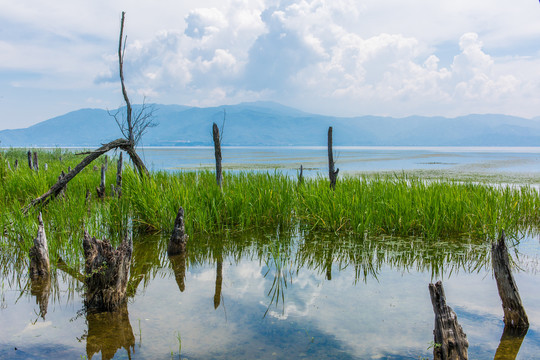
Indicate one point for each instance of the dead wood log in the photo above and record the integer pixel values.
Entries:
(35, 161)
(101, 189)
(450, 340)
(332, 174)
(514, 312)
(179, 238)
(107, 273)
(108, 332)
(39, 254)
(217, 153)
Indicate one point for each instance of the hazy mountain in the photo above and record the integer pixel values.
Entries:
(267, 123)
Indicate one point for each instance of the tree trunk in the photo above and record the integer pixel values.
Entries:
(178, 240)
(217, 151)
(332, 174)
(450, 340)
(39, 254)
(107, 273)
(514, 313)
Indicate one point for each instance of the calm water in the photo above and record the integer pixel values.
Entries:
(276, 296)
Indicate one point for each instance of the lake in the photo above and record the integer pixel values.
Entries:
(276, 295)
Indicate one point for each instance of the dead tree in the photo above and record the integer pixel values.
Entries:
(107, 273)
(332, 174)
(450, 340)
(132, 126)
(217, 152)
(39, 254)
(101, 189)
(179, 238)
(514, 313)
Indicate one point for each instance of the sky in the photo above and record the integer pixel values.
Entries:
(334, 57)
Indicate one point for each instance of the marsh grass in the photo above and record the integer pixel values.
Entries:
(397, 205)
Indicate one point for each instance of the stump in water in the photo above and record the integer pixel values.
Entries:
(178, 240)
(332, 174)
(450, 340)
(217, 153)
(107, 272)
(36, 162)
(514, 313)
(108, 332)
(39, 254)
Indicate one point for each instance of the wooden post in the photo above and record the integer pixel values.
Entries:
(450, 340)
(178, 240)
(101, 189)
(36, 162)
(107, 273)
(29, 153)
(119, 177)
(514, 313)
(39, 254)
(332, 174)
(217, 152)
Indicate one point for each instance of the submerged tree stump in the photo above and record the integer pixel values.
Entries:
(331, 172)
(450, 340)
(514, 313)
(39, 254)
(179, 238)
(107, 272)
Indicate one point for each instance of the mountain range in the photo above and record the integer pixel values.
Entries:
(272, 124)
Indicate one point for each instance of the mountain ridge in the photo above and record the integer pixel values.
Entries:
(271, 124)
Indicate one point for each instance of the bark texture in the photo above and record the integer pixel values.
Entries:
(179, 238)
(39, 254)
(450, 341)
(514, 313)
(107, 273)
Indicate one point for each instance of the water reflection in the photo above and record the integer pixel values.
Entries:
(41, 288)
(510, 343)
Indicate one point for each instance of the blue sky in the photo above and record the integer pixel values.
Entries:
(336, 57)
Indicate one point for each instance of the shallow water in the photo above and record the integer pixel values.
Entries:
(274, 296)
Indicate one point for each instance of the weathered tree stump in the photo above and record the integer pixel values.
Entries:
(29, 154)
(514, 313)
(108, 332)
(301, 175)
(217, 153)
(450, 340)
(35, 161)
(107, 272)
(101, 189)
(179, 238)
(332, 174)
(39, 254)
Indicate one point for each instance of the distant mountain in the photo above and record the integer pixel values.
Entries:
(272, 124)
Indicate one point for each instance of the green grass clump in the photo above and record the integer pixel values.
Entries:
(397, 205)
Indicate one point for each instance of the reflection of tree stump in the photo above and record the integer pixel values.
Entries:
(450, 340)
(108, 332)
(510, 343)
(178, 240)
(41, 288)
(178, 263)
(107, 272)
(39, 254)
(219, 281)
(514, 313)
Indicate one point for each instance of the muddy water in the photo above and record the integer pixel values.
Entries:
(272, 296)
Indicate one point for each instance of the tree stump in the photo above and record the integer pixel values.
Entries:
(29, 154)
(107, 272)
(179, 238)
(36, 161)
(217, 153)
(450, 340)
(39, 254)
(118, 189)
(514, 313)
(331, 172)
(101, 189)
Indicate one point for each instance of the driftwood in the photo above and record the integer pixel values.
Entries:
(178, 263)
(179, 238)
(332, 174)
(39, 254)
(217, 152)
(107, 273)
(219, 282)
(101, 188)
(108, 332)
(514, 313)
(450, 340)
